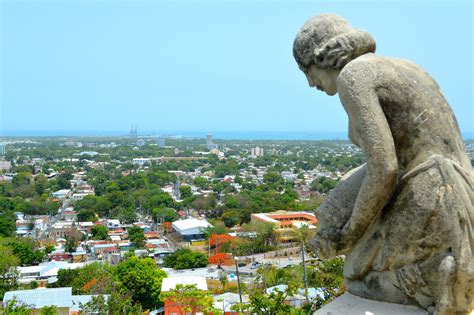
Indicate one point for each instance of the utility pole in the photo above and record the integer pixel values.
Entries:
(304, 272)
(265, 278)
(238, 278)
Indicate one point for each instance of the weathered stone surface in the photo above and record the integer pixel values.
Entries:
(354, 305)
(405, 219)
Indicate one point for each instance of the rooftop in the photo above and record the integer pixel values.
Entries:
(60, 297)
(170, 283)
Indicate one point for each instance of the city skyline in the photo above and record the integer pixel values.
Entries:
(202, 66)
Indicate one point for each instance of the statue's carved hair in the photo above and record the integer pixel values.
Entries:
(330, 42)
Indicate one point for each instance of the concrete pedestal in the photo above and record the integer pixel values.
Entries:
(354, 305)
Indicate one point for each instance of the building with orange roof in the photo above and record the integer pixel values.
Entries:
(286, 221)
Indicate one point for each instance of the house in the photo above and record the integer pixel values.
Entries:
(62, 298)
(191, 229)
(113, 224)
(45, 271)
(299, 298)
(62, 194)
(102, 250)
(80, 196)
(85, 226)
(31, 226)
(69, 214)
(169, 284)
(61, 229)
(60, 256)
(225, 301)
(79, 257)
(59, 297)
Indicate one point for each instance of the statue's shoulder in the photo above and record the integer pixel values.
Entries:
(359, 71)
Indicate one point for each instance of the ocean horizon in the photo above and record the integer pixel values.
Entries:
(223, 135)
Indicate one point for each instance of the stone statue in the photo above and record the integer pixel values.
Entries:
(405, 219)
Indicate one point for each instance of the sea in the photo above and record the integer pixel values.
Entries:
(224, 135)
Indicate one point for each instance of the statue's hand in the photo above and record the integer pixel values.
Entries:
(331, 242)
(327, 242)
(350, 234)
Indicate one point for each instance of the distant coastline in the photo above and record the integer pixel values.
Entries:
(224, 135)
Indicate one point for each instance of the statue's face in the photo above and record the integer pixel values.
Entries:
(322, 79)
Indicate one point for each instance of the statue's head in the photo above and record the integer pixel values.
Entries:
(324, 45)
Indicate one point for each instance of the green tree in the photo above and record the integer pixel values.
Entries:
(93, 278)
(136, 236)
(185, 191)
(141, 278)
(14, 307)
(273, 179)
(160, 200)
(165, 214)
(190, 299)
(201, 182)
(21, 178)
(268, 304)
(41, 184)
(8, 271)
(116, 303)
(49, 310)
(185, 259)
(26, 250)
(7, 223)
(323, 184)
(63, 180)
(230, 218)
(86, 215)
(99, 232)
(127, 215)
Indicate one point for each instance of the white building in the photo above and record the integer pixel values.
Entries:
(45, 271)
(2, 149)
(80, 196)
(169, 284)
(160, 142)
(256, 152)
(113, 224)
(191, 229)
(141, 161)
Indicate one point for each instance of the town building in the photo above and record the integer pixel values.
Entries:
(224, 302)
(61, 298)
(45, 272)
(191, 229)
(3, 149)
(256, 152)
(160, 142)
(62, 194)
(80, 196)
(61, 229)
(209, 143)
(286, 221)
(141, 161)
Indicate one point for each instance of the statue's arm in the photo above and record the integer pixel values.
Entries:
(369, 126)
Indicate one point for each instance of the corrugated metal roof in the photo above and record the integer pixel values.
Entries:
(38, 298)
(187, 224)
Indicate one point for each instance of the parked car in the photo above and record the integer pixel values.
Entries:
(255, 265)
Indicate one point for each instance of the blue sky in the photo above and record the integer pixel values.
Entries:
(205, 65)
